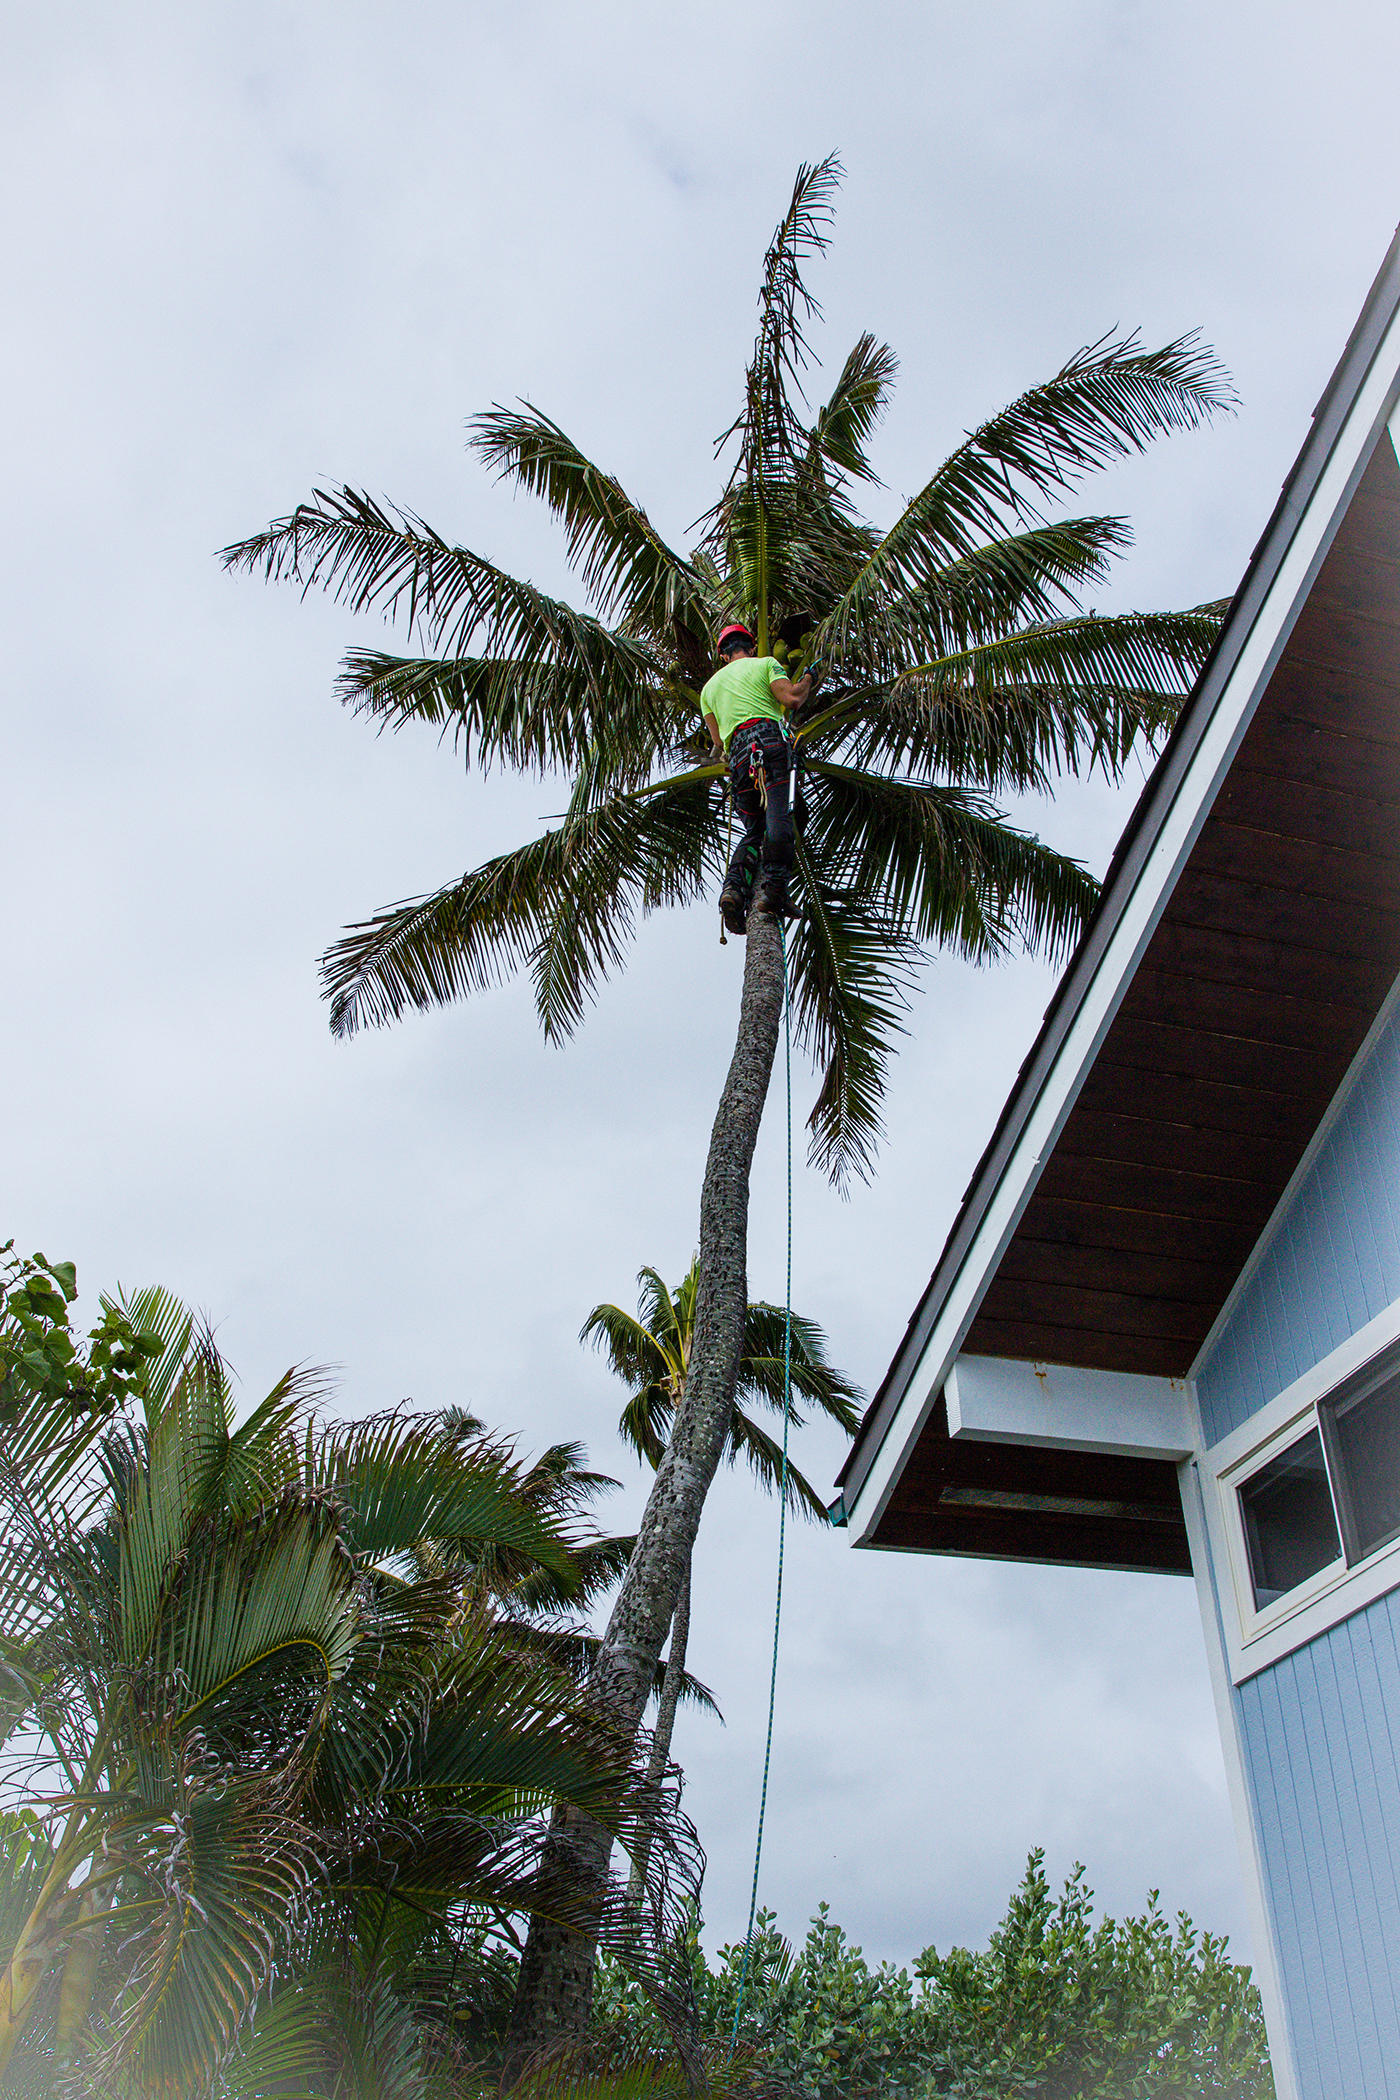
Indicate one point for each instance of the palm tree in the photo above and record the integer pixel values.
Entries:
(251, 1717)
(954, 662)
(650, 1351)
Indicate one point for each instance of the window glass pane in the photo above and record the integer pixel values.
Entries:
(1288, 1520)
(1365, 1446)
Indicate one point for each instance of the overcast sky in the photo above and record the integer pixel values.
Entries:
(254, 249)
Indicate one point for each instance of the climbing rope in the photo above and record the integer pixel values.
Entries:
(782, 1506)
(728, 856)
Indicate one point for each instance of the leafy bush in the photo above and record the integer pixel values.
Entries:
(1056, 2007)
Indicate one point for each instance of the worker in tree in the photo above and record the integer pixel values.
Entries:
(745, 705)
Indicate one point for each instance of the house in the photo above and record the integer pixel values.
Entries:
(1164, 1333)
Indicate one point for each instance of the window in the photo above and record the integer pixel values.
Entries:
(1362, 1429)
(1302, 1501)
(1289, 1523)
(1327, 1494)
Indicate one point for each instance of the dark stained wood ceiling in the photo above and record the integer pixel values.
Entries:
(1279, 944)
(1078, 1509)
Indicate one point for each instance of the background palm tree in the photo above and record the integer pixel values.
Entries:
(269, 1751)
(547, 1609)
(954, 661)
(650, 1351)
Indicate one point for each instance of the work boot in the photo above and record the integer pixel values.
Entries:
(733, 909)
(772, 894)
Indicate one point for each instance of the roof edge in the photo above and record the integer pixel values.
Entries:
(1141, 835)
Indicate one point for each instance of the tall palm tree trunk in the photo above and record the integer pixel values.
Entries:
(665, 1720)
(555, 1992)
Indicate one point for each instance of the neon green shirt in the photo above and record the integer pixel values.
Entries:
(739, 691)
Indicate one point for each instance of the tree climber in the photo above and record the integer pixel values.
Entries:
(745, 705)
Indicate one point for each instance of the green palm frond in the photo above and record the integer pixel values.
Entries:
(398, 1480)
(813, 1376)
(229, 1871)
(632, 576)
(856, 405)
(266, 1617)
(1112, 398)
(768, 428)
(169, 1324)
(764, 1455)
(564, 907)
(334, 2034)
(1070, 697)
(997, 587)
(559, 1483)
(186, 1447)
(636, 1351)
(373, 558)
(526, 713)
(849, 974)
(573, 1649)
(651, 1351)
(943, 865)
(630, 856)
(599, 1564)
(645, 1422)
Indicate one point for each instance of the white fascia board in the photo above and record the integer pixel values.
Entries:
(1143, 906)
(1060, 1407)
(1268, 1973)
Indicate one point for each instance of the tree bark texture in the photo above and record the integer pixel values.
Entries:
(554, 1996)
(666, 1717)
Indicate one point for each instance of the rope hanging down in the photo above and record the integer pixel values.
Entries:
(782, 1505)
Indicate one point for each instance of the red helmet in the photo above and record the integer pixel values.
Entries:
(728, 636)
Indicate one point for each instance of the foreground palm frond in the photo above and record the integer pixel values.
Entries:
(258, 1680)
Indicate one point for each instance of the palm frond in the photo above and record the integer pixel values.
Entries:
(373, 558)
(608, 698)
(334, 2033)
(768, 427)
(564, 907)
(943, 867)
(573, 1650)
(599, 1564)
(666, 1313)
(1030, 576)
(764, 1455)
(632, 576)
(1112, 398)
(856, 405)
(398, 1480)
(232, 1872)
(263, 1620)
(813, 1376)
(170, 1325)
(850, 970)
(1070, 697)
(186, 1448)
(633, 1351)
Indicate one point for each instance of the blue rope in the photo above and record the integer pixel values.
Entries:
(782, 1506)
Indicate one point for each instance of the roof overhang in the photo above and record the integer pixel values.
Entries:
(1250, 923)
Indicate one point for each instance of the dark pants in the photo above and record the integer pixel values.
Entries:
(757, 750)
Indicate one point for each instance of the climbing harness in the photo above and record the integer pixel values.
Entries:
(782, 1507)
(758, 775)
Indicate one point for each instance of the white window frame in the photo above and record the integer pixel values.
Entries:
(1256, 1638)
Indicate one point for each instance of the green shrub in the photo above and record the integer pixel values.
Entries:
(1056, 2007)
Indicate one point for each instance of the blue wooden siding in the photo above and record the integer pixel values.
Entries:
(1333, 1262)
(1321, 1735)
(1320, 1730)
